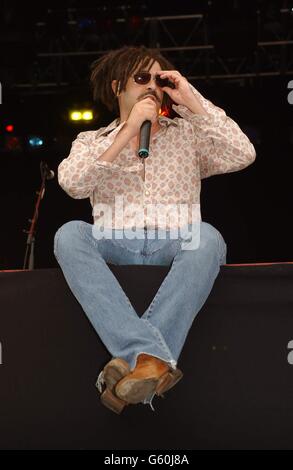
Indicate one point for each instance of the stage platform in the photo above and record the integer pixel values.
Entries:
(237, 389)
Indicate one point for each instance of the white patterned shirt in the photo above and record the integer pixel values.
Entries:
(183, 151)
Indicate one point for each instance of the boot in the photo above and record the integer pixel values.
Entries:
(168, 381)
(150, 375)
(113, 371)
(112, 402)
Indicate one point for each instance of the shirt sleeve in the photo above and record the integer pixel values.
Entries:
(219, 142)
(79, 173)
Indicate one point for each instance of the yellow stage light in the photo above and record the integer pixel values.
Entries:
(87, 115)
(81, 115)
(75, 116)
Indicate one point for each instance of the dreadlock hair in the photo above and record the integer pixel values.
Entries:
(119, 64)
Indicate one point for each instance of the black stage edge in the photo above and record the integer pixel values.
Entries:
(237, 389)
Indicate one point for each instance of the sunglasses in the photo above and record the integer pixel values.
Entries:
(142, 78)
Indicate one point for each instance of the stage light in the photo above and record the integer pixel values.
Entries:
(9, 128)
(87, 115)
(75, 116)
(35, 141)
(82, 115)
(163, 112)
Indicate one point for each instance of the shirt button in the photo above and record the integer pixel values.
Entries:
(147, 193)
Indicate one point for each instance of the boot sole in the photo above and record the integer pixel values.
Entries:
(114, 371)
(135, 390)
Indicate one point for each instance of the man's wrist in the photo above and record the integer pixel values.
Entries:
(126, 131)
(196, 108)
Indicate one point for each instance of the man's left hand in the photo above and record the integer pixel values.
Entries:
(182, 93)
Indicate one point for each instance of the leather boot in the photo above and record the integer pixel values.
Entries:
(150, 375)
(113, 371)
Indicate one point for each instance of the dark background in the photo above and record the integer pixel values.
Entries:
(45, 57)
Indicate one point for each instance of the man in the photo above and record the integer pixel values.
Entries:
(103, 165)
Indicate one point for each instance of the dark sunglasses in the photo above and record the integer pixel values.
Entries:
(142, 78)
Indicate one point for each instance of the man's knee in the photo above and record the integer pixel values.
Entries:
(67, 235)
(208, 233)
(211, 235)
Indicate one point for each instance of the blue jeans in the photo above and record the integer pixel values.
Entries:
(162, 329)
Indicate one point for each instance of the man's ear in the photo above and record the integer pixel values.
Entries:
(113, 84)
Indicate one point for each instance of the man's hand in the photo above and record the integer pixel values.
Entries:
(145, 109)
(182, 93)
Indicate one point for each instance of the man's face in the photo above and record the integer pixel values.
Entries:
(135, 92)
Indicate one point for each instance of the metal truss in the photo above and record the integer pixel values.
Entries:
(63, 59)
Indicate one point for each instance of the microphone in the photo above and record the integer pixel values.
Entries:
(50, 175)
(144, 139)
(45, 171)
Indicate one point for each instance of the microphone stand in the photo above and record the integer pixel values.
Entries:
(46, 173)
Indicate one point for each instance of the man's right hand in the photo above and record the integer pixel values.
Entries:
(143, 110)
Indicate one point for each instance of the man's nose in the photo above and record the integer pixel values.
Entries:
(152, 86)
(152, 83)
